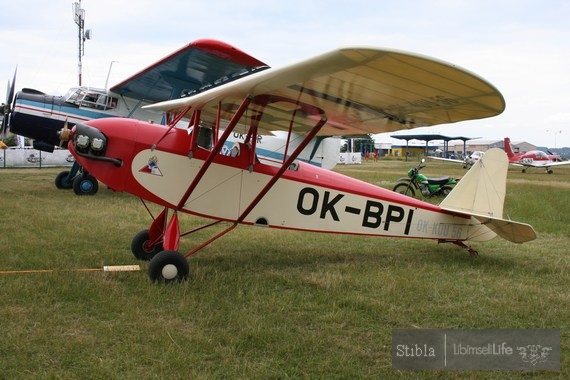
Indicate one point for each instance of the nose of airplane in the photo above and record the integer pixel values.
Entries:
(89, 142)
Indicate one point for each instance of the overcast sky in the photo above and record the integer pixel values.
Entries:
(522, 47)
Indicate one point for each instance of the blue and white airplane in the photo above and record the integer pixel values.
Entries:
(194, 68)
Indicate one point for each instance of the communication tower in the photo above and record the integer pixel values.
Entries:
(79, 18)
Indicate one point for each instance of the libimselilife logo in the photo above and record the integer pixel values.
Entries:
(476, 349)
(534, 353)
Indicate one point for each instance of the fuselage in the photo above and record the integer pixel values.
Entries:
(304, 198)
(41, 116)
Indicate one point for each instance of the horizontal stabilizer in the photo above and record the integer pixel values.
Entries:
(481, 195)
(509, 230)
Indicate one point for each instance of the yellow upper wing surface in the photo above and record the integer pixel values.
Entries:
(359, 90)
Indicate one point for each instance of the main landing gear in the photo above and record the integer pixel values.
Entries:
(167, 267)
(159, 246)
(164, 266)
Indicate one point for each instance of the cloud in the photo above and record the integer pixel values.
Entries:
(520, 46)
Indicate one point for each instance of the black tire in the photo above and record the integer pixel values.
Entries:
(141, 248)
(168, 267)
(403, 187)
(62, 182)
(85, 185)
(445, 190)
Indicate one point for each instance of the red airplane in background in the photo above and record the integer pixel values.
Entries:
(533, 158)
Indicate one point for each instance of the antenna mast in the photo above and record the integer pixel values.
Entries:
(79, 18)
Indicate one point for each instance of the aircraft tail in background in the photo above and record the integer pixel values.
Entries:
(508, 147)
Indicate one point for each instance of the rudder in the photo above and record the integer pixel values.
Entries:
(481, 194)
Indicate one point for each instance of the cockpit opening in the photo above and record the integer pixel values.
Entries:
(91, 98)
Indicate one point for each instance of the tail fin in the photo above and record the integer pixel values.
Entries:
(508, 147)
(481, 194)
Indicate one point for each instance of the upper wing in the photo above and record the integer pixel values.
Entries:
(194, 66)
(360, 90)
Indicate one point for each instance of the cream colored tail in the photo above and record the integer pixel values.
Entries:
(481, 194)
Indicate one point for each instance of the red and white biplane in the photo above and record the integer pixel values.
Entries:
(344, 92)
(533, 158)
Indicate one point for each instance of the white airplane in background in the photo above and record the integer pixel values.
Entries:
(467, 162)
(196, 67)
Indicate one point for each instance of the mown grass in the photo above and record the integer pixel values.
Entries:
(263, 303)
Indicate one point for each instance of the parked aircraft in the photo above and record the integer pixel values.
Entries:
(346, 91)
(198, 66)
(533, 158)
(467, 162)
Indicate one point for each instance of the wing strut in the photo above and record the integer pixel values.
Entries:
(215, 151)
(172, 233)
(284, 167)
(171, 125)
(195, 123)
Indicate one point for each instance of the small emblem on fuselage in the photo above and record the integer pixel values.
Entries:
(151, 167)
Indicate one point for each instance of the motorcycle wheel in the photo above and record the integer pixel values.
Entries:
(403, 188)
(445, 190)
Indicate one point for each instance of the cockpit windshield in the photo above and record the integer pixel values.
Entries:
(90, 98)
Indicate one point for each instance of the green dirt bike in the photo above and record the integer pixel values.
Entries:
(428, 187)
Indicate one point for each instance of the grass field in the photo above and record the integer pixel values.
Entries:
(261, 303)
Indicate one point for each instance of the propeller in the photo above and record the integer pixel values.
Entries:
(64, 133)
(7, 107)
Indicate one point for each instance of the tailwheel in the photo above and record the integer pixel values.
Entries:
(143, 247)
(168, 267)
(472, 252)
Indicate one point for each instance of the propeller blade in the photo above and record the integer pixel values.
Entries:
(7, 107)
(8, 89)
(64, 133)
(11, 89)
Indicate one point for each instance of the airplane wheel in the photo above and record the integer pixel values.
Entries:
(141, 248)
(62, 182)
(85, 185)
(168, 267)
(403, 187)
(549, 171)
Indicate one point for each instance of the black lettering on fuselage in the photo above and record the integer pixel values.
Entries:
(328, 206)
(394, 214)
(409, 222)
(313, 200)
(372, 214)
(310, 201)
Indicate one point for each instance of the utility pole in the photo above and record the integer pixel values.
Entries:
(79, 18)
